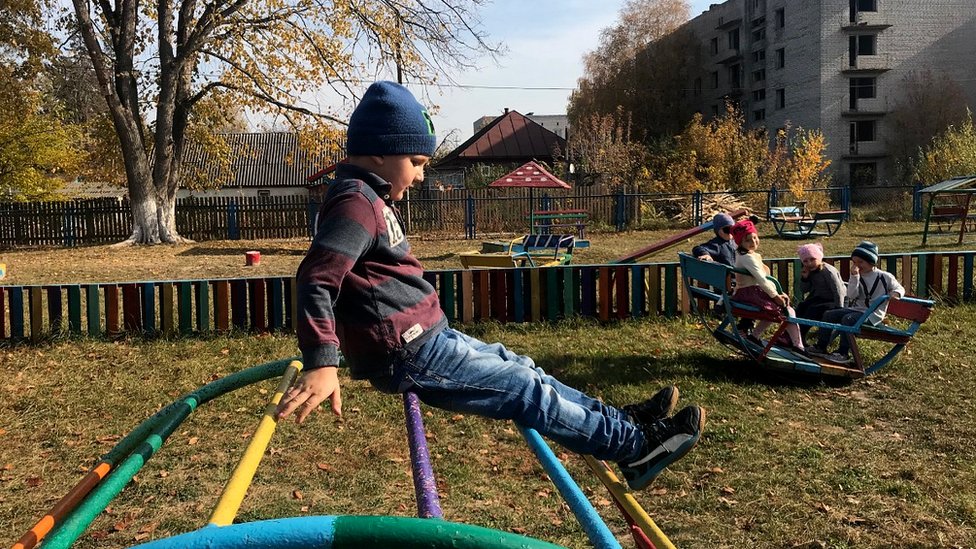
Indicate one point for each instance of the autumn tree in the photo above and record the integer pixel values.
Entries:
(36, 149)
(602, 147)
(642, 65)
(929, 103)
(949, 154)
(797, 163)
(157, 62)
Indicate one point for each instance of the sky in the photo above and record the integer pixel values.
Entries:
(545, 41)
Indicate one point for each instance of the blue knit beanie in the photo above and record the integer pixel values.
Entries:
(389, 120)
(721, 220)
(868, 251)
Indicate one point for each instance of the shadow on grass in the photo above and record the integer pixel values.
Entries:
(579, 371)
(204, 250)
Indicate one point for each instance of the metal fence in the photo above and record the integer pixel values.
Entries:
(448, 213)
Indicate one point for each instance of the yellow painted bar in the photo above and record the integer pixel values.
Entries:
(230, 500)
(627, 502)
(536, 292)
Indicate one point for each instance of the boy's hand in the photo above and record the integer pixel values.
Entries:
(804, 272)
(309, 391)
(854, 270)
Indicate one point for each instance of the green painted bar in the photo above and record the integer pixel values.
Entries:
(16, 313)
(184, 295)
(967, 276)
(276, 302)
(74, 309)
(570, 291)
(202, 289)
(34, 298)
(518, 295)
(552, 294)
(55, 311)
(670, 290)
(93, 310)
(891, 263)
(447, 295)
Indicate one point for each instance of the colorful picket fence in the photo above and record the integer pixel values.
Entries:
(605, 292)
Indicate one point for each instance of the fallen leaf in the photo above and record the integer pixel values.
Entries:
(194, 440)
(728, 490)
(659, 491)
(297, 494)
(324, 467)
(34, 482)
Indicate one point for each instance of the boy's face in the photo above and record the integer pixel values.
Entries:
(400, 170)
(862, 265)
(725, 233)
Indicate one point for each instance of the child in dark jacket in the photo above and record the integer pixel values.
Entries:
(820, 283)
(361, 288)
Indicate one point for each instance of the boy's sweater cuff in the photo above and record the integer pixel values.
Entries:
(320, 356)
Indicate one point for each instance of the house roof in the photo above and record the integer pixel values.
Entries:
(530, 175)
(511, 137)
(263, 160)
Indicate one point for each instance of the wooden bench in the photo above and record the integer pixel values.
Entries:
(544, 221)
(539, 250)
(806, 226)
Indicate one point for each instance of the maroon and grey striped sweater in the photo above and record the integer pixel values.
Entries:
(360, 287)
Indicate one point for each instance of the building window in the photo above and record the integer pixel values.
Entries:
(758, 115)
(758, 56)
(858, 6)
(759, 95)
(780, 58)
(714, 80)
(863, 88)
(861, 131)
(698, 87)
(780, 18)
(735, 76)
(734, 39)
(759, 22)
(714, 110)
(758, 34)
(781, 98)
(863, 44)
(758, 76)
(714, 46)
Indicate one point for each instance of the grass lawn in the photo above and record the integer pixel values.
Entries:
(888, 461)
(225, 259)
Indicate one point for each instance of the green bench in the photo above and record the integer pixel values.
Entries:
(545, 221)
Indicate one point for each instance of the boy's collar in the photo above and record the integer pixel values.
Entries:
(377, 183)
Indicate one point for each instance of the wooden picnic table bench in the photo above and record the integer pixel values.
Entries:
(544, 221)
(790, 222)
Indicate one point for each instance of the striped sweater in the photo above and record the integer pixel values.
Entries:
(359, 286)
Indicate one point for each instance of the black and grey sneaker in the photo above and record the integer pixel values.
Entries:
(666, 441)
(657, 407)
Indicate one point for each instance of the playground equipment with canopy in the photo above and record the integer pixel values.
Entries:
(709, 286)
(949, 203)
(67, 520)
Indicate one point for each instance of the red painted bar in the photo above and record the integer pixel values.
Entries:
(603, 287)
(623, 296)
(499, 295)
(112, 328)
(934, 269)
(131, 308)
(482, 307)
(906, 273)
(221, 303)
(953, 278)
(258, 303)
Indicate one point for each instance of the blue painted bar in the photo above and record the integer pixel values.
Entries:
(424, 482)
(16, 312)
(55, 310)
(967, 276)
(637, 300)
(594, 526)
(518, 295)
(74, 309)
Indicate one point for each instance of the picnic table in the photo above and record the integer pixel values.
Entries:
(792, 222)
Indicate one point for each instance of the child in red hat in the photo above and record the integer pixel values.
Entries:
(755, 289)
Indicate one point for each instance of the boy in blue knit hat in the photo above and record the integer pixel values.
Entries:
(392, 331)
(867, 282)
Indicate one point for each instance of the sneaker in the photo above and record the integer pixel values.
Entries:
(838, 358)
(655, 408)
(755, 340)
(665, 441)
(817, 351)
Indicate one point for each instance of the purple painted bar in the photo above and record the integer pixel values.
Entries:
(424, 483)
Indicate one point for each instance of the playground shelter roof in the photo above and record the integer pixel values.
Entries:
(961, 184)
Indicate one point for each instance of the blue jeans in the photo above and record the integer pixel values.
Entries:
(846, 317)
(456, 372)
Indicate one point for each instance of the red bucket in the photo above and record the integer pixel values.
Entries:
(252, 259)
